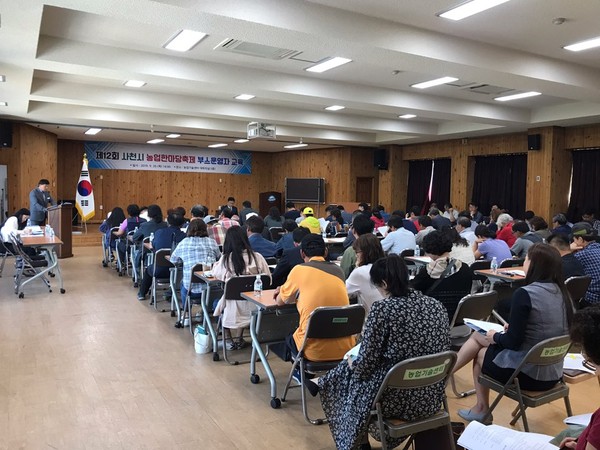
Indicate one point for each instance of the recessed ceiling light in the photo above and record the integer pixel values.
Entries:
(217, 145)
(93, 131)
(507, 98)
(583, 45)
(2, 78)
(3, 104)
(244, 97)
(241, 141)
(328, 64)
(155, 141)
(134, 83)
(436, 82)
(335, 108)
(173, 136)
(407, 116)
(470, 8)
(184, 40)
(295, 146)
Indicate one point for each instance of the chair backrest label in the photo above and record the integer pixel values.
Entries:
(428, 372)
(554, 351)
(339, 320)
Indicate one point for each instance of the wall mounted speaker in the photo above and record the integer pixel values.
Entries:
(6, 133)
(534, 142)
(380, 159)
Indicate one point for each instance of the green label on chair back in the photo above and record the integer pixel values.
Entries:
(340, 320)
(428, 372)
(553, 351)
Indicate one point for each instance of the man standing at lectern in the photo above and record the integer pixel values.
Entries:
(39, 199)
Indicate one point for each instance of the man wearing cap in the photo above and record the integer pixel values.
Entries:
(584, 239)
(305, 286)
(310, 221)
(39, 200)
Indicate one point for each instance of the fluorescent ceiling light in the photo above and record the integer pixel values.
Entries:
(217, 145)
(134, 83)
(155, 141)
(300, 145)
(184, 40)
(584, 45)
(470, 8)
(507, 98)
(3, 104)
(241, 141)
(2, 78)
(335, 108)
(407, 116)
(244, 97)
(173, 136)
(93, 131)
(328, 64)
(436, 82)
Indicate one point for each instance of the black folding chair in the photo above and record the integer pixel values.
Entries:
(511, 262)
(163, 283)
(325, 322)
(577, 287)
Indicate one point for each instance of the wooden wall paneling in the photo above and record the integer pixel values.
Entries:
(393, 183)
(362, 165)
(560, 175)
(70, 158)
(11, 158)
(591, 136)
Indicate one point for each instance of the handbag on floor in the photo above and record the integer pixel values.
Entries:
(202, 340)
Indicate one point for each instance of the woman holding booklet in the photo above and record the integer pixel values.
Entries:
(539, 310)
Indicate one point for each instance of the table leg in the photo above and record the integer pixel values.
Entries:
(257, 349)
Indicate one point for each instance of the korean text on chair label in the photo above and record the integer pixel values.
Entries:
(553, 351)
(428, 372)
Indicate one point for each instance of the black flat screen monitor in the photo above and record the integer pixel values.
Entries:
(308, 190)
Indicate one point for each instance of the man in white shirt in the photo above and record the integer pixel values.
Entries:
(398, 237)
(463, 226)
(450, 213)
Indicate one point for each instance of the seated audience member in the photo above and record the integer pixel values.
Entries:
(237, 259)
(377, 218)
(310, 221)
(461, 249)
(463, 227)
(218, 230)
(305, 286)
(291, 212)
(438, 221)
(527, 218)
(246, 209)
(230, 205)
(585, 330)
(364, 208)
(368, 250)
(336, 222)
(328, 210)
(540, 227)
(114, 219)
(405, 324)
(361, 225)
(476, 216)
(505, 223)
(486, 245)
(181, 211)
(14, 225)
(397, 238)
(494, 214)
(254, 227)
(413, 215)
(130, 224)
(198, 212)
(384, 214)
(590, 216)
(525, 239)
(426, 228)
(444, 278)
(588, 254)
(166, 237)
(196, 248)
(450, 213)
(154, 223)
(345, 214)
(543, 300)
(287, 240)
(406, 223)
(290, 258)
(570, 265)
(560, 225)
(144, 213)
(274, 219)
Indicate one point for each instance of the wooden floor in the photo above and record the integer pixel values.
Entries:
(96, 369)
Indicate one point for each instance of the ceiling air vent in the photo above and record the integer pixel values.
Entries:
(487, 89)
(257, 50)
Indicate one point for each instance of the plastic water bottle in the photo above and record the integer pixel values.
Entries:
(51, 231)
(494, 265)
(417, 251)
(258, 287)
(47, 230)
(324, 234)
(151, 237)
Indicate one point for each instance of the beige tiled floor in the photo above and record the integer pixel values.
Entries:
(95, 368)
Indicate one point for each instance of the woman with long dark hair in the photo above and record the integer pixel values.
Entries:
(274, 219)
(539, 310)
(368, 250)
(237, 259)
(114, 219)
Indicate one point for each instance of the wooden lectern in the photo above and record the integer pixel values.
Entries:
(60, 219)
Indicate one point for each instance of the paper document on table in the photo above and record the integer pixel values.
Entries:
(383, 230)
(323, 224)
(493, 437)
(34, 230)
(482, 326)
(581, 419)
(353, 352)
(574, 361)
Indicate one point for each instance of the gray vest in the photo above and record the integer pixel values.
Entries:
(547, 319)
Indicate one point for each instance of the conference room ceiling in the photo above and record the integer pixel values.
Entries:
(65, 63)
